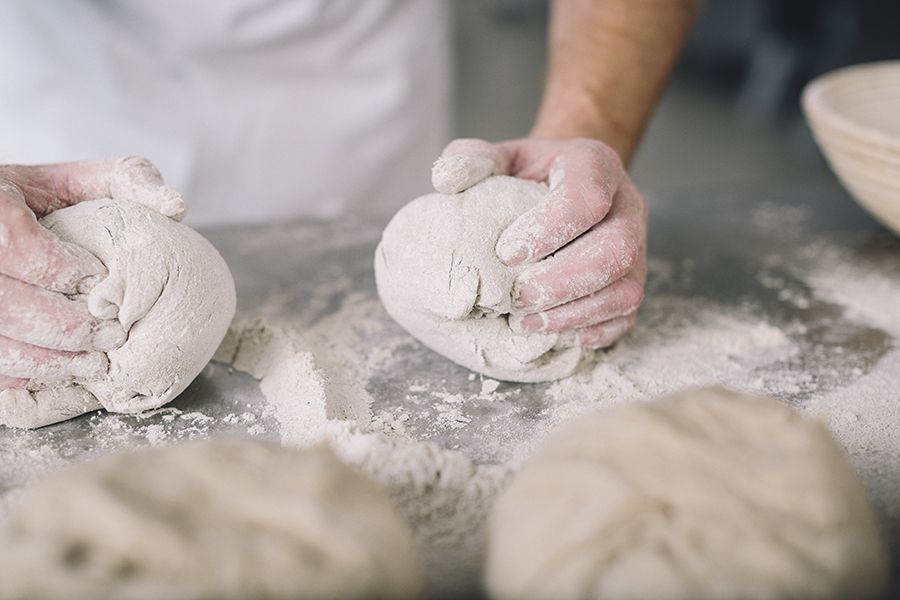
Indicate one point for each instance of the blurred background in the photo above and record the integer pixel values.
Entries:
(732, 114)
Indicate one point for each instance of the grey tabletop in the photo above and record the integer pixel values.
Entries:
(750, 287)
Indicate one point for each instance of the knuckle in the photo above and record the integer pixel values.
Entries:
(600, 153)
(612, 159)
(11, 383)
(642, 206)
(468, 146)
(626, 326)
(590, 205)
(17, 218)
(625, 252)
(632, 296)
(595, 207)
(10, 192)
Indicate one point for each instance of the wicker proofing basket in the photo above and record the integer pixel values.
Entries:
(854, 114)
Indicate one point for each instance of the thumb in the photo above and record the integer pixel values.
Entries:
(465, 162)
(49, 187)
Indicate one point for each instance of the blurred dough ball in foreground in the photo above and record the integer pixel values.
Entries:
(703, 494)
(216, 519)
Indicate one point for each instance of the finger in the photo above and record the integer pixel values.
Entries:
(24, 361)
(595, 260)
(583, 181)
(465, 162)
(11, 383)
(605, 334)
(51, 320)
(50, 187)
(618, 299)
(31, 253)
(32, 409)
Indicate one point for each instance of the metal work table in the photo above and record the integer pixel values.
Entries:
(736, 252)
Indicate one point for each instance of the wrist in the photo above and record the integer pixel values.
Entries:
(579, 115)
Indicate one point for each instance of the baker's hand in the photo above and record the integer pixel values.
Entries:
(45, 336)
(585, 244)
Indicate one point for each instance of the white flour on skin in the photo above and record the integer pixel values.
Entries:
(464, 163)
(135, 179)
(451, 174)
(522, 236)
(16, 363)
(72, 329)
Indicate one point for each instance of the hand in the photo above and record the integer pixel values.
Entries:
(586, 244)
(45, 335)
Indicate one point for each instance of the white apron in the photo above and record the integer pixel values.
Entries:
(256, 110)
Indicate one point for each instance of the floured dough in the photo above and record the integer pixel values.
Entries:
(215, 519)
(438, 276)
(704, 494)
(169, 288)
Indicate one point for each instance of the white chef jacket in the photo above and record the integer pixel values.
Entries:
(256, 110)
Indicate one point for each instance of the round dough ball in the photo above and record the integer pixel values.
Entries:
(704, 494)
(215, 519)
(438, 275)
(167, 286)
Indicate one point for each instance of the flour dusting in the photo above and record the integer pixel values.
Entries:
(818, 330)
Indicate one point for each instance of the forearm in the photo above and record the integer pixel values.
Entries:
(609, 62)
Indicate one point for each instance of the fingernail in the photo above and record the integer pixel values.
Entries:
(170, 203)
(109, 335)
(458, 172)
(90, 365)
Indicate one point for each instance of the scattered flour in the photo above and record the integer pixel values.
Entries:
(488, 387)
(867, 291)
(322, 368)
(287, 369)
(443, 493)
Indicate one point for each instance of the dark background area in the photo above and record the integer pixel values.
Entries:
(731, 115)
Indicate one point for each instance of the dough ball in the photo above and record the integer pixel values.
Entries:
(704, 494)
(438, 276)
(168, 287)
(215, 519)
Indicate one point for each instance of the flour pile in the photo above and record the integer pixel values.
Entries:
(443, 493)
